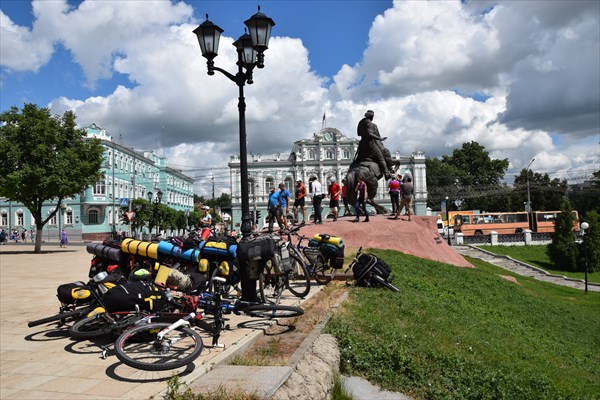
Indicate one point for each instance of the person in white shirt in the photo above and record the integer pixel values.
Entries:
(317, 198)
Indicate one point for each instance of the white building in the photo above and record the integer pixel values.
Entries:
(326, 155)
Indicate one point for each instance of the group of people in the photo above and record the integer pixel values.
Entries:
(16, 236)
(401, 193)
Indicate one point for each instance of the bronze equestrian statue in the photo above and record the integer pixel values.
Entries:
(372, 162)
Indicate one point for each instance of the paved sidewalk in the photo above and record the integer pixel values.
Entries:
(44, 363)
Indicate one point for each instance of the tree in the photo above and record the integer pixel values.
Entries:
(546, 194)
(592, 241)
(563, 250)
(468, 175)
(586, 197)
(45, 158)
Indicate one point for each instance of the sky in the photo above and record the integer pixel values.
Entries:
(521, 78)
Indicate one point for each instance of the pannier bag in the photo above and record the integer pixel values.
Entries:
(368, 265)
(105, 252)
(178, 280)
(253, 253)
(133, 296)
(74, 293)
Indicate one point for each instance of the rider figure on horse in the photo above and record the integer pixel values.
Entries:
(371, 146)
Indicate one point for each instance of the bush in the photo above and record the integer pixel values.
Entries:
(563, 250)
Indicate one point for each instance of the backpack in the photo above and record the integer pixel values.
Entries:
(369, 265)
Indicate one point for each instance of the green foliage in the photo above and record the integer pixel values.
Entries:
(537, 256)
(45, 158)
(592, 241)
(467, 177)
(563, 250)
(467, 333)
(546, 194)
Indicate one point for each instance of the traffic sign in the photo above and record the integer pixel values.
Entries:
(130, 215)
(123, 202)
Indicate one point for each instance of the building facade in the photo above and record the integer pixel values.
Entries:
(328, 154)
(94, 213)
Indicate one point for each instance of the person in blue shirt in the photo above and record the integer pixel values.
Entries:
(274, 209)
(284, 201)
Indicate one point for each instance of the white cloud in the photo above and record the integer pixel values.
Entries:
(534, 64)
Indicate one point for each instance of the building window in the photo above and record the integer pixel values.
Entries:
(289, 185)
(52, 220)
(69, 217)
(330, 154)
(20, 218)
(251, 187)
(99, 188)
(312, 155)
(93, 216)
(346, 154)
(269, 183)
(4, 218)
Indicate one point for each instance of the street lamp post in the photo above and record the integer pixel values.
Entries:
(250, 49)
(156, 202)
(448, 222)
(528, 208)
(584, 226)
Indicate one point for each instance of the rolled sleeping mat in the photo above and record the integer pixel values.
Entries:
(102, 251)
(325, 238)
(217, 249)
(191, 255)
(169, 249)
(137, 247)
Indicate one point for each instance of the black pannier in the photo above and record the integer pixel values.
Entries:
(369, 265)
(133, 296)
(74, 293)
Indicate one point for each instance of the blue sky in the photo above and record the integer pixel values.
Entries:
(519, 77)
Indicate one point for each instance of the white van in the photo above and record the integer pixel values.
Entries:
(441, 229)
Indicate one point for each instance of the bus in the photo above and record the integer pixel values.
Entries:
(508, 223)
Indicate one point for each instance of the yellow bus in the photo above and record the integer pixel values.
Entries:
(508, 223)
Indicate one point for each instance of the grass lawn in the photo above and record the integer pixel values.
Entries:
(469, 333)
(536, 256)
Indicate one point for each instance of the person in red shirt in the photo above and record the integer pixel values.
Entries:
(394, 186)
(300, 193)
(345, 198)
(334, 198)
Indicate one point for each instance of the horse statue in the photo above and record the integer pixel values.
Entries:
(372, 162)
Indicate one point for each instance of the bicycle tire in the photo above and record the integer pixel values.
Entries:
(385, 283)
(59, 317)
(298, 280)
(228, 289)
(139, 348)
(322, 273)
(269, 286)
(90, 327)
(273, 311)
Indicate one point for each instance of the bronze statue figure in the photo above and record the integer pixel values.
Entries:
(372, 161)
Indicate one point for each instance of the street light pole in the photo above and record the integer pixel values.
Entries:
(250, 49)
(448, 222)
(528, 193)
(584, 226)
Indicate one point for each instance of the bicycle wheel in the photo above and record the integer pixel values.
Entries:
(140, 347)
(273, 311)
(91, 327)
(322, 273)
(298, 279)
(229, 290)
(270, 285)
(60, 317)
